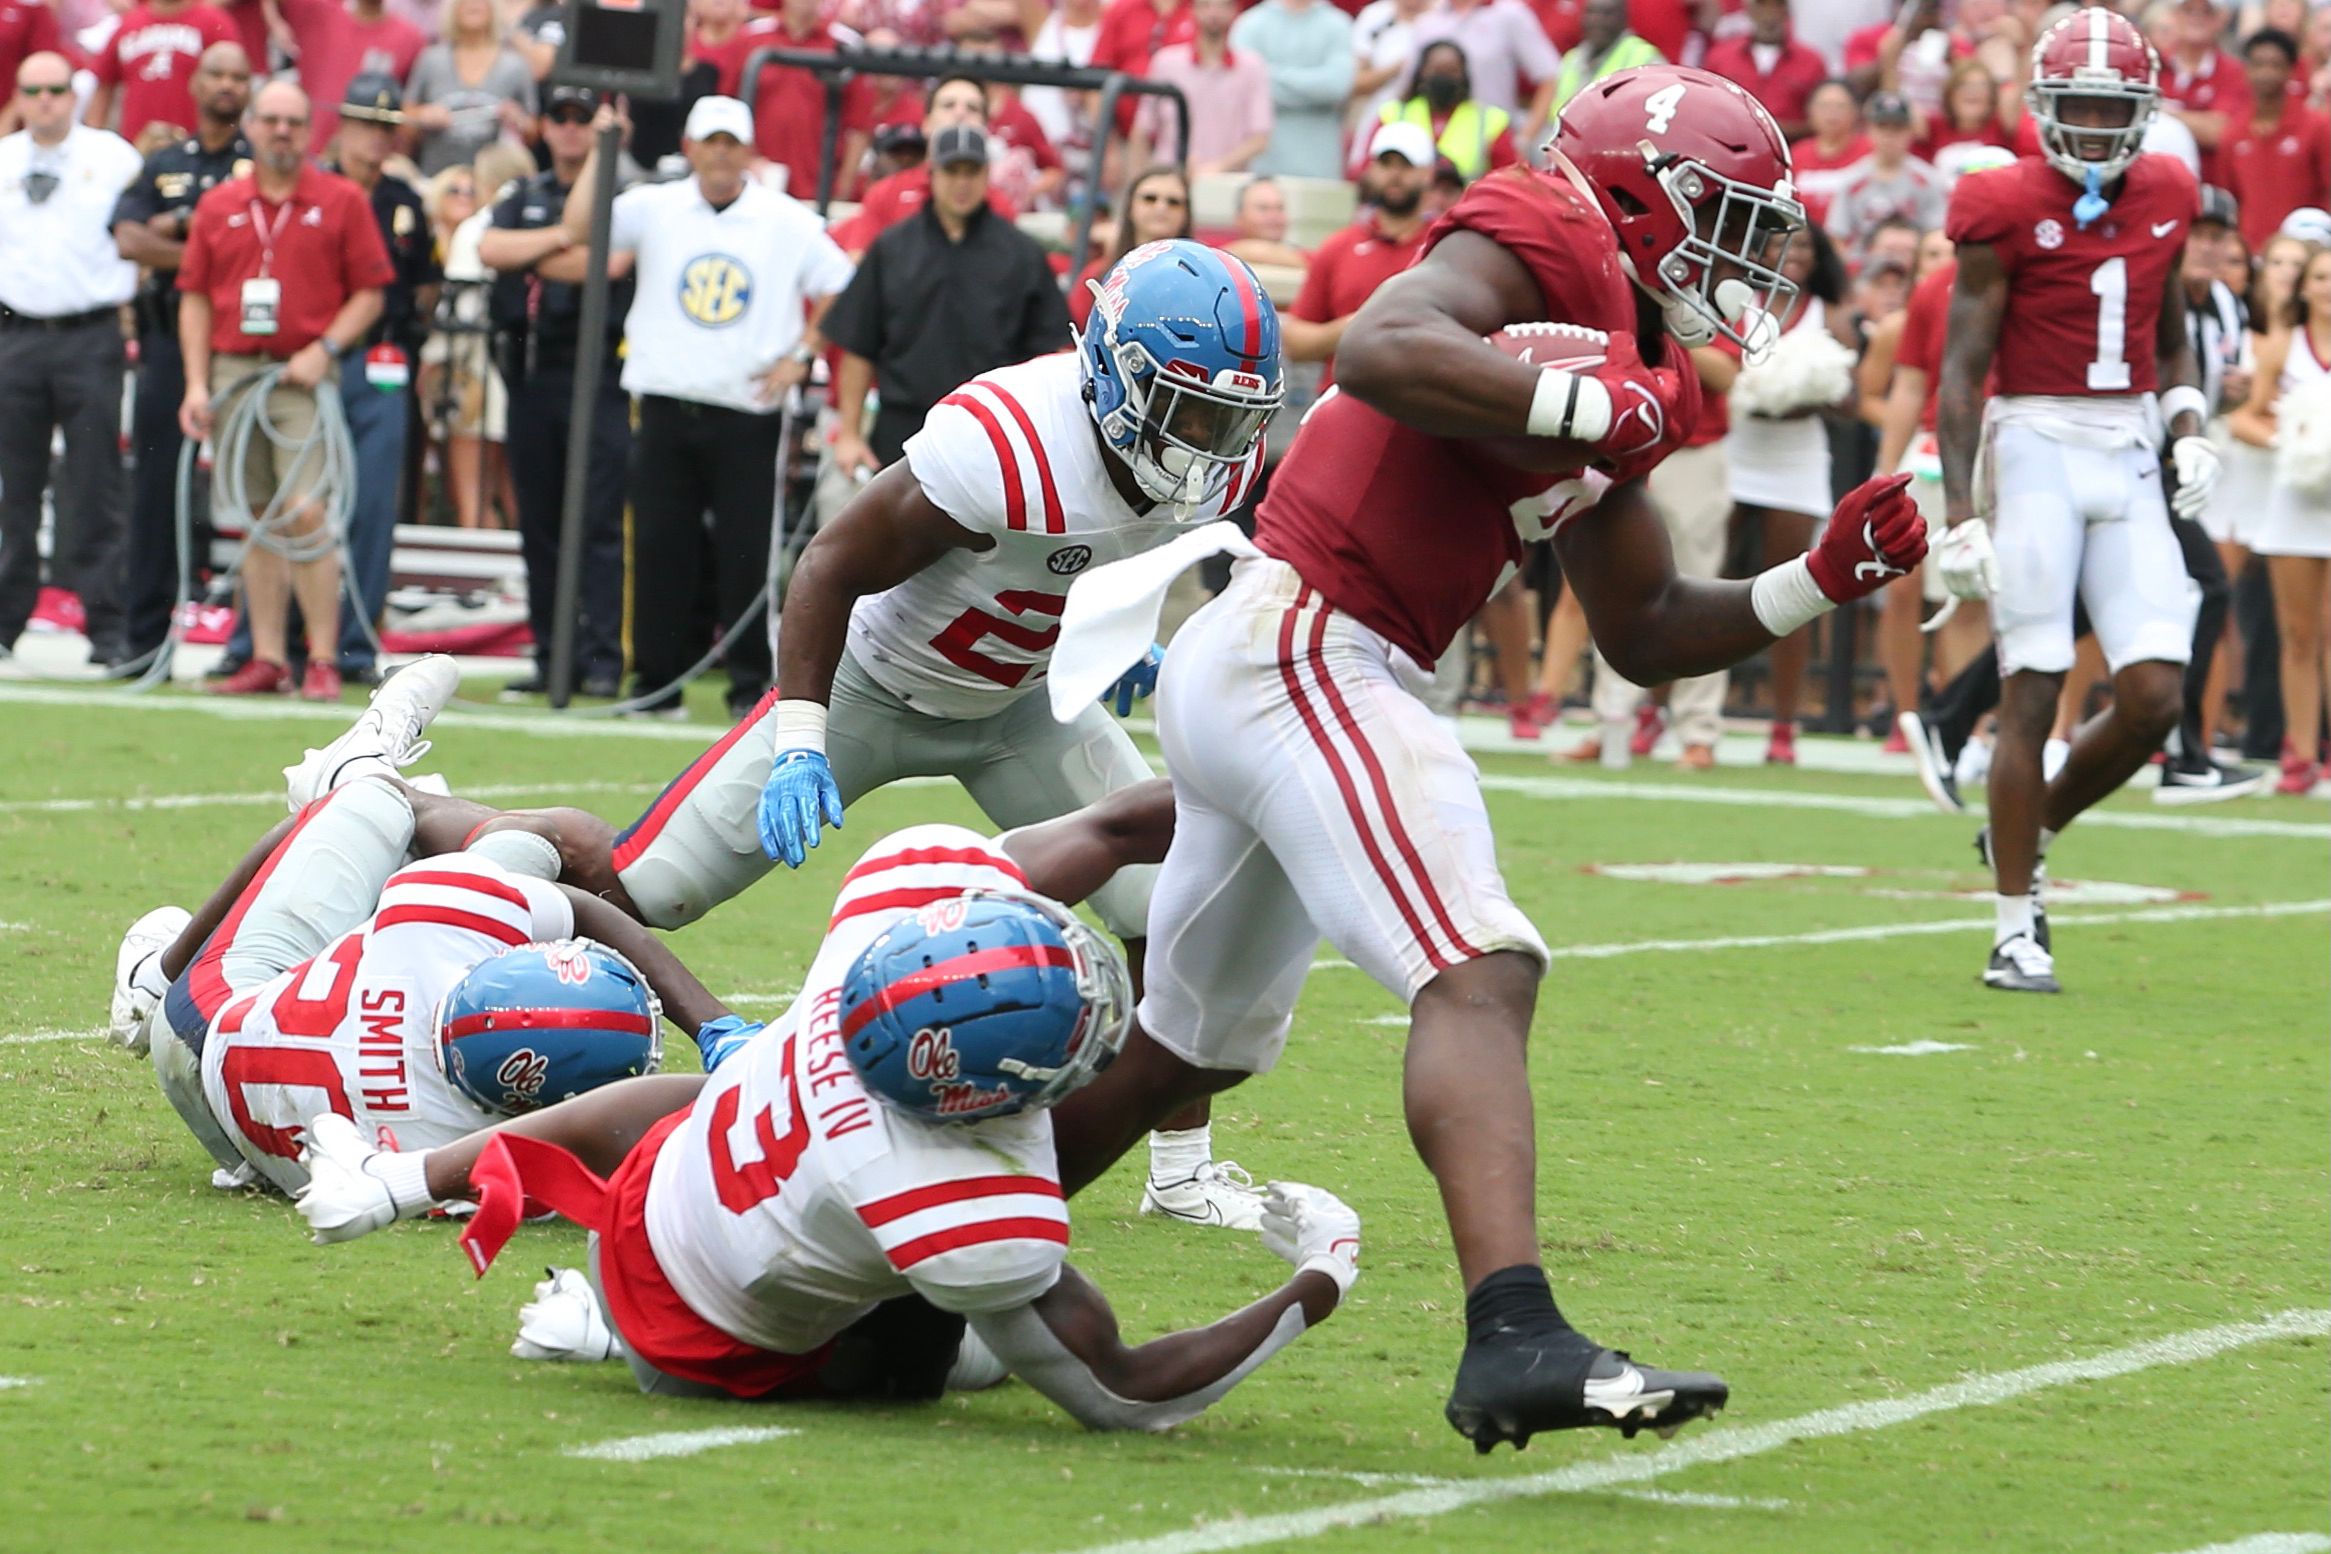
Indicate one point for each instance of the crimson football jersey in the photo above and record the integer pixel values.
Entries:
(2081, 304)
(1409, 533)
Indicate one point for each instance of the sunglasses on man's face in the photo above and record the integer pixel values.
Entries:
(571, 116)
(43, 89)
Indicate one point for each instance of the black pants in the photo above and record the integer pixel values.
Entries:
(690, 459)
(68, 378)
(151, 581)
(892, 428)
(2262, 719)
(541, 414)
(1960, 705)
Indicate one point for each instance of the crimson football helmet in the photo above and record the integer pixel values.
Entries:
(2094, 54)
(1694, 176)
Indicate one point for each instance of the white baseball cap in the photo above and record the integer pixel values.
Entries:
(1403, 139)
(2309, 224)
(720, 116)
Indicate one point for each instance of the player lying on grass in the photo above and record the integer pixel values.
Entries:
(372, 958)
(826, 1211)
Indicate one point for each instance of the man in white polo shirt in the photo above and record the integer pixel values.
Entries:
(725, 270)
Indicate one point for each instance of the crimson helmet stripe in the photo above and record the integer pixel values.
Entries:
(630, 1022)
(959, 968)
(1243, 284)
(916, 1199)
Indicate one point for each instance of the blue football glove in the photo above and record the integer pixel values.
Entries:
(1135, 683)
(722, 1037)
(799, 795)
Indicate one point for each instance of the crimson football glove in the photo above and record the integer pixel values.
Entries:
(1674, 386)
(1875, 536)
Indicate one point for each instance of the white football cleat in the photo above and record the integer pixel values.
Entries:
(138, 984)
(564, 1322)
(386, 735)
(1217, 1193)
(342, 1200)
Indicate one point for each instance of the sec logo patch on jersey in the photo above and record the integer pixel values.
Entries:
(715, 290)
(2049, 233)
(1069, 559)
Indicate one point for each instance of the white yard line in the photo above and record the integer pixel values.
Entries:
(1949, 925)
(491, 790)
(1368, 1480)
(675, 1443)
(29, 1038)
(2271, 1543)
(1716, 1446)
(8, 1382)
(1922, 1048)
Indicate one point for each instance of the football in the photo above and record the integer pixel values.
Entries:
(1543, 345)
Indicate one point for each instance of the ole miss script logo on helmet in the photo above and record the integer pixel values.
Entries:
(931, 1055)
(523, 1072)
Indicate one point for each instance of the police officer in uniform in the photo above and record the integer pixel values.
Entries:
(537, 307)
(149, 227)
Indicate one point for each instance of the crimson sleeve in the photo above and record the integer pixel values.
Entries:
(1982, 208)
(1311, 303)
(1512, 210)
(106, 66)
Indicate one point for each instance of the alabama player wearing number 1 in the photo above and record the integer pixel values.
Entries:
(1316, 794)
(919, 625)
(2068, 291)
(826, 1211)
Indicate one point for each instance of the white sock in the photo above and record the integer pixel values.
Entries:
(2011, 915)
(1176, 1157)
(406, 1178)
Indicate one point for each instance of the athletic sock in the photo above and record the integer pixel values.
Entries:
(1176, 1157)
(2011, 915)
(1515, 1300)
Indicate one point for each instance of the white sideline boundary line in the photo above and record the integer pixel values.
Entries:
(32, 1038)
(1727, 1445)
(491, 790)
(674, 1443)
(1948, 925)
(2270, 1543)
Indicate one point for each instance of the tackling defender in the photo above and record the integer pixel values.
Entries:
(763, 1232)
(2068, 288)
(1316, 794)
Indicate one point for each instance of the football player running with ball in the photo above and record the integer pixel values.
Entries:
(2068, 288)
(824, 1213)
(1316, 794)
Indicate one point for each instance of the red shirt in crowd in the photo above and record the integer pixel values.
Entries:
(323, 245)
(151, 57)
(789, 103)
(1939, 136)
(891, 200)
(1796, 70)
(1348, 268)
(2274, 170)
(1132, 31)
(1664, 24)
(250, 19)
(27, 27)
(336, 46)
(2216, 86)
(1818, 174)
(1923, 321)
(1562, 21)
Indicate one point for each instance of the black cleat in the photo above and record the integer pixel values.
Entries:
(1513, 1385)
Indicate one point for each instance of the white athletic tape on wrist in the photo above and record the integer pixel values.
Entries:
(1343, 1270)
(406, 1178)
(521, 852)
(799, 724)
(1786, 597)
(2176, 401)
(1567, 404)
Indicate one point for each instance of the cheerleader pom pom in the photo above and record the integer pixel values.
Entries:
(2302, 459)
(1806, 370)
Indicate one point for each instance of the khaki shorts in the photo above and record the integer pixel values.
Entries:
(267, 466)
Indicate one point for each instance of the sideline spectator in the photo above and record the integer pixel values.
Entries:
(150, 61)
(1504, 46)
(889, 201)
(149, 228)
(335, 42)
(1229, 95)
(1068, 35)
(1971, 121)
(283, 267)
(1353, 262)
(1777, 70)
(1383, 43)
(1472, 137)
(2279, 157)
(1261, 224)
(1307, 45)
(893, 24)
(1154, 207)
(1022, 160)
(1605, 46)
(1910, 54)
(951, 292)
(789, 103)
(1132, 31)
(1821, 159)
(2202, 86)
(537, 308)
(715, 344)
(467, 91)
(27, 27)
(1888, 184)
(62, 285)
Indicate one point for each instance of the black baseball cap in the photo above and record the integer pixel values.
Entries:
(1887, 108)
(568, 95)
(899, 140)
(374, 97)
(2219, 206)
(958, 144)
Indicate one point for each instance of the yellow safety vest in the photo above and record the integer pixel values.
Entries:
(1625, 54)
(1465, 141)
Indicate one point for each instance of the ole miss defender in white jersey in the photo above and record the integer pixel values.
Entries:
(919, 625)
(2068, 290)
(1317, 795)
(823, 1214)
(372, 958)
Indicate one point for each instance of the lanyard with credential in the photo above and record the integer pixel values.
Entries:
(268, 234)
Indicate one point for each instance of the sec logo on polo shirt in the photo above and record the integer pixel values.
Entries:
(715, 290)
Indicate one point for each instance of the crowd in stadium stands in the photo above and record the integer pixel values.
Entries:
(1390, 106)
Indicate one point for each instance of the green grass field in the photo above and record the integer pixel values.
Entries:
(2126, 1175)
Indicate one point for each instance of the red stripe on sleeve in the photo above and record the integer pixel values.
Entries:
(908, 1253)
(453, 879)
(912, 857)
(449, 917)
(893, 900)
(915, 1199)
(1015, 499)
(1055, 521)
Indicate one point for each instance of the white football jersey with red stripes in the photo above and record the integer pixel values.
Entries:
(790, 1201)
(1013, 455)
(353, 1030)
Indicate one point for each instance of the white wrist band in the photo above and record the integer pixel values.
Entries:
(2176, 401)
(1786, 597)
(1343, 1270)
(799, 724)
(1566, 404)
